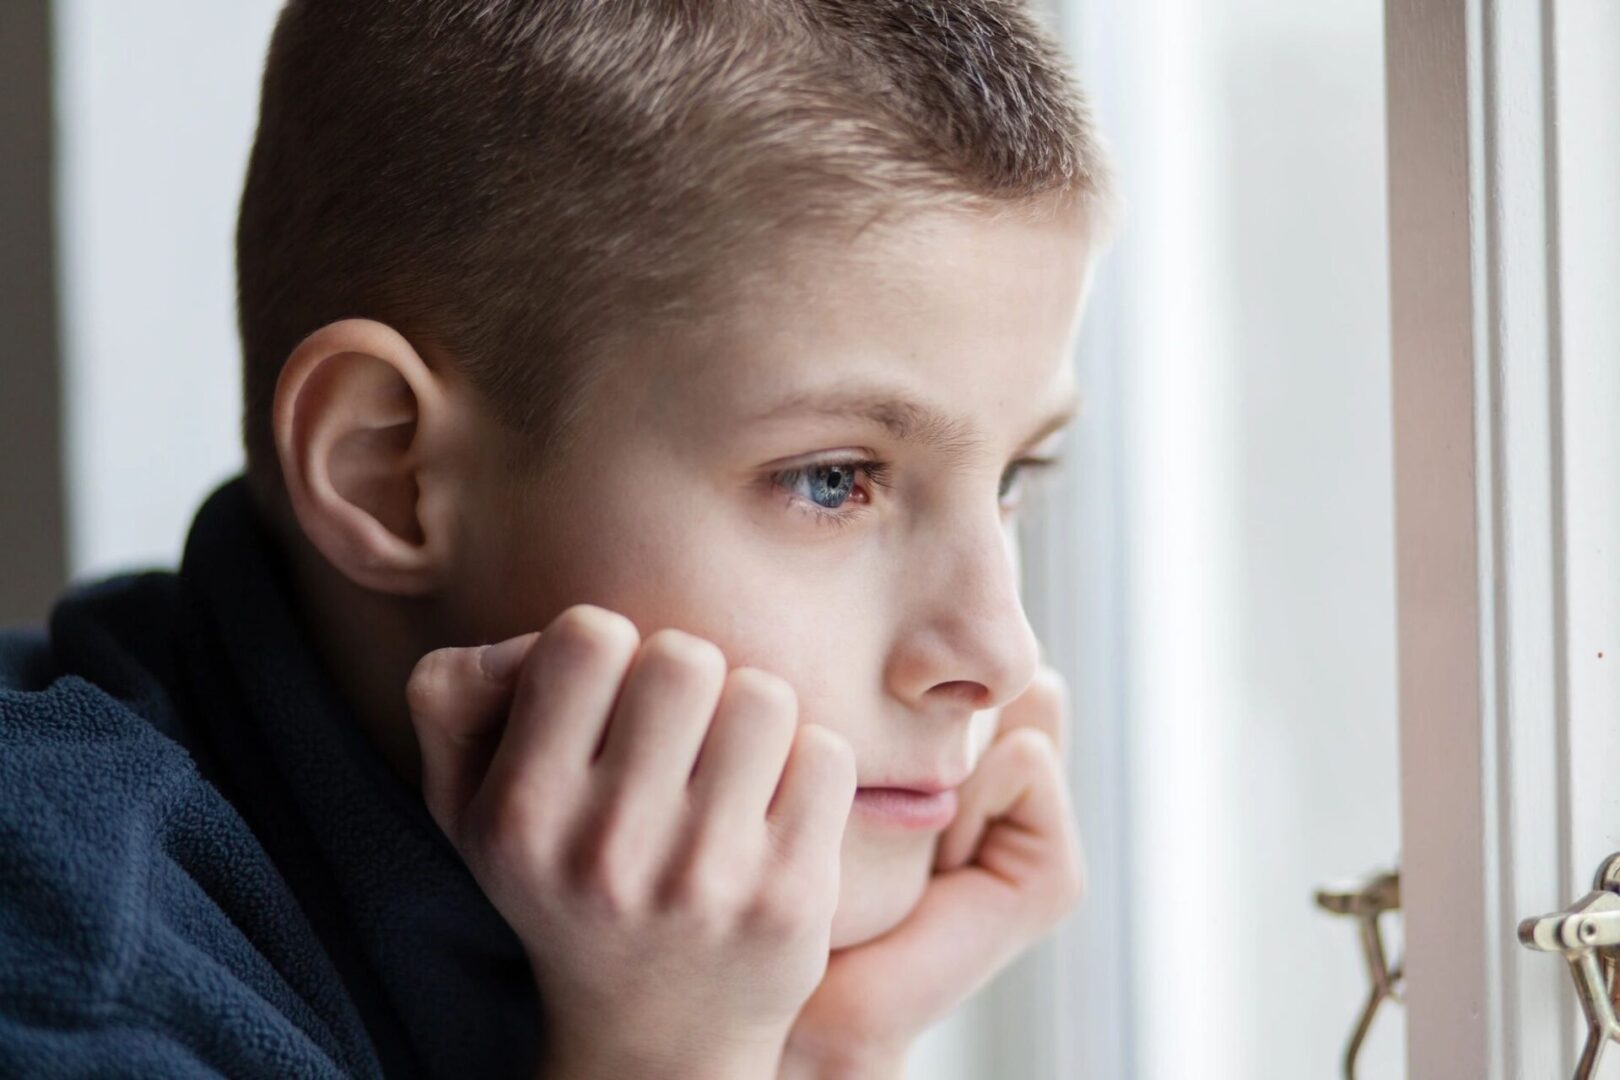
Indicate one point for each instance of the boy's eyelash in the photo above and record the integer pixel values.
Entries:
(1042, 465)
(879, 473)
(1037, 464)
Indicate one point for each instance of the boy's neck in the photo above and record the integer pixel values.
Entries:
(368, 644)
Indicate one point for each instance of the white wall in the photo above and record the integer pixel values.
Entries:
(156, 107)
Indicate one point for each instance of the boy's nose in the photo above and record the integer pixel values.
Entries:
(966, 637)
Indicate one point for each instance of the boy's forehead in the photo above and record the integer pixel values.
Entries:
(942, 333)
(959, 414)
(942, 283)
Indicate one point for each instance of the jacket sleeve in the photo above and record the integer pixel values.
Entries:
(97, 1047)
(143, 931)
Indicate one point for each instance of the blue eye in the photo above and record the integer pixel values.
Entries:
(834, 492)
(829, 486)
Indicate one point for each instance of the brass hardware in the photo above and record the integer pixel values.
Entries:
(1587, 935)
(1365, 901)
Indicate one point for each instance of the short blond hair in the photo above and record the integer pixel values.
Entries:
(506, 182)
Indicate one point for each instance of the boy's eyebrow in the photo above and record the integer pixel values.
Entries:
(905, 418)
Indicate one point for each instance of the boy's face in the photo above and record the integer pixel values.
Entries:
(716, 485)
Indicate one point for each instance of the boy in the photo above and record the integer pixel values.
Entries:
(611, 664)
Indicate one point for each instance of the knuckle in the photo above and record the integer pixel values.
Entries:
(1031, 749)
(1050, 683)
(1068, 888)
(601, 881)
(684, 659)
(830, 751)
(586, 632)
(608, 866)
(763, 691)
(1052, 690)
(706, 893)
(785, 908)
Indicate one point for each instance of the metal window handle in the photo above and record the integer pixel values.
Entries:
(1587, 935)
(1365, 901)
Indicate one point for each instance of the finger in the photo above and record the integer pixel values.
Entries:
(564, 695)
(746, 749)
(669, 698)
(1043, 705)
(1016, 797)
(458, 700)
(812, 804)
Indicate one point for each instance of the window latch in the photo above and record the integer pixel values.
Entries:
(1587, 935)
(1364, 901)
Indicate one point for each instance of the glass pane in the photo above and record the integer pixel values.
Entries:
(1256, 514)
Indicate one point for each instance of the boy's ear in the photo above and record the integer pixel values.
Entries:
(363, 431)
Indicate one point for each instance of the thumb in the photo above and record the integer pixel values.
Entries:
(458, 700)
(1008, 781)
(1015, 798)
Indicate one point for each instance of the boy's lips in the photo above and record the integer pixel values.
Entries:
(925, 785)
(932, 807)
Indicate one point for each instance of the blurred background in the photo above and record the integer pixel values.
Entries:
(1214, 572)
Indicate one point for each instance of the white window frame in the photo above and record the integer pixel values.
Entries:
(1500, 115)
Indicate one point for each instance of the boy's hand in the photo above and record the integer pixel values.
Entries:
(676, 917)
(1005, 871)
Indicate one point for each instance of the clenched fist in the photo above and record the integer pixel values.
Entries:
(660, 831)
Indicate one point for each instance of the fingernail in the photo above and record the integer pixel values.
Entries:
(500, 662)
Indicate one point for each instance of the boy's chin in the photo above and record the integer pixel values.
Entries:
(878, 892)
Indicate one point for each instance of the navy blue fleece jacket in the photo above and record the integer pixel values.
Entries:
(205, 868)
